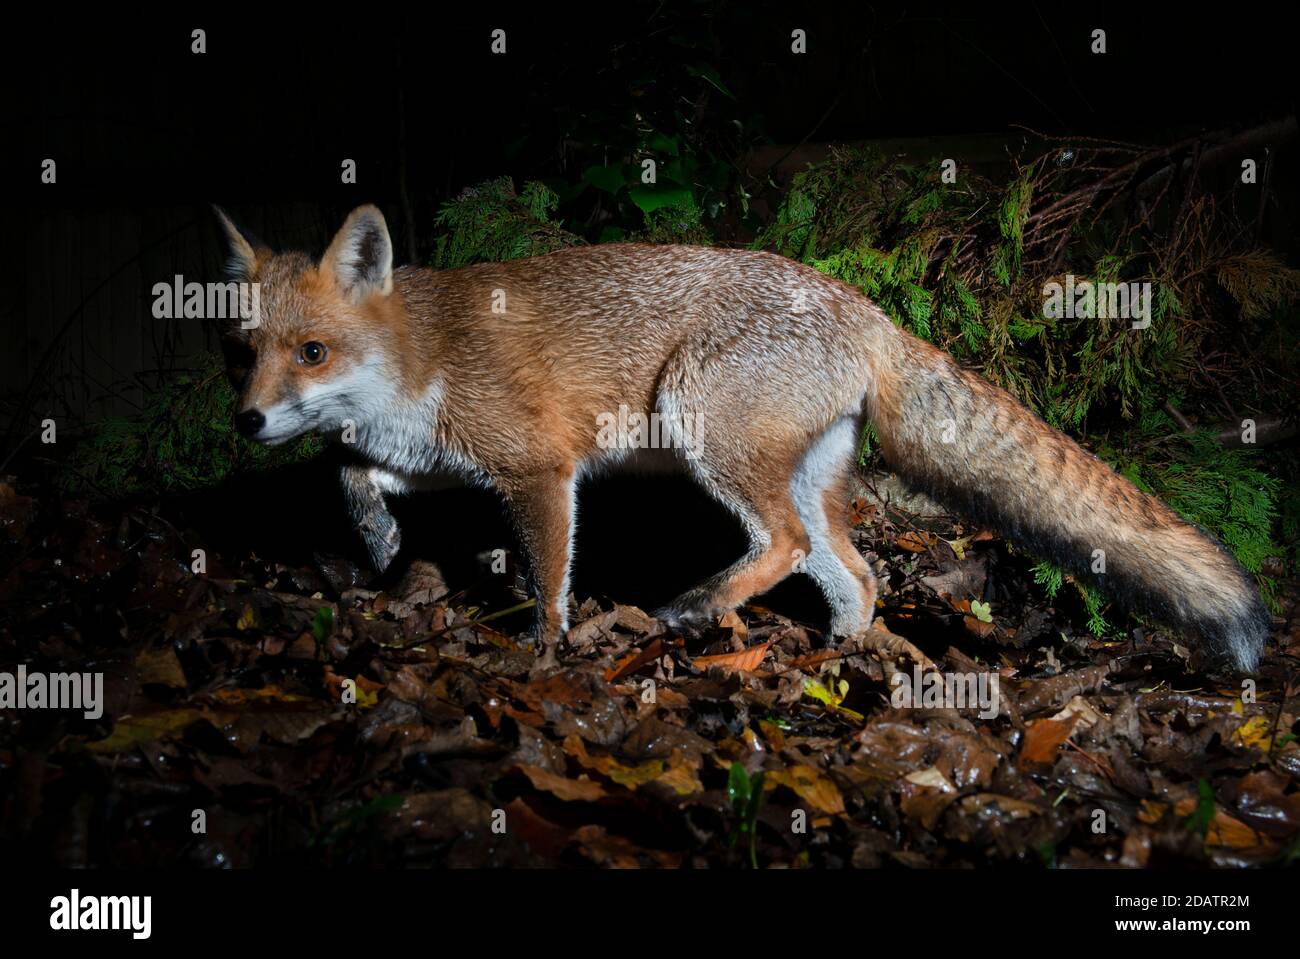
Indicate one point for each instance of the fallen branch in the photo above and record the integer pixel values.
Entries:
(1056, 691)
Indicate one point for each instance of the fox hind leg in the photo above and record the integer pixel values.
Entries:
(820, 488)
(799, 525)
(778, 541)
(774, 464)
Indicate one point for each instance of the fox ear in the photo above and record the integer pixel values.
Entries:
(361, 256)
(245, 249)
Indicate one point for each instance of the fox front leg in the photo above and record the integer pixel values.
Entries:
(364, 495)
(543, 507)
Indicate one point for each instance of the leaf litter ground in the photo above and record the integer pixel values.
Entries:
(301, 717)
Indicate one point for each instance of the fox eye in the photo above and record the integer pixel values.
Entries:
(313, 353)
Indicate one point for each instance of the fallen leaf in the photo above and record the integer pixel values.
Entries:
(746, 660)
(635, 660)
(367, 690)
(131, 731)
(1254, 733)
(931, 777)
(1224, 830)
(616, 852)
(924, 796)
(247, 618)
(815, 690)
(160, 666)
(982, 804)
(810, 784)
(1043, 739)
(916, 541)
(583, 789)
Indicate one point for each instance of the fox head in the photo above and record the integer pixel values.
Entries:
(322, 347)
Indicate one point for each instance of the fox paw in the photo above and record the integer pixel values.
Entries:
(547, 662)
(690, 619)
(383, 539)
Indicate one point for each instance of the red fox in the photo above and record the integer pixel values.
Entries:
(529, 375)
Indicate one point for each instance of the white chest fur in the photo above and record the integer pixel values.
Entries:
(402, 440)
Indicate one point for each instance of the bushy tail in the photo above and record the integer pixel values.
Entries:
(974, 447)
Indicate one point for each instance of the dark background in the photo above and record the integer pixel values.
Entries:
(265, 115)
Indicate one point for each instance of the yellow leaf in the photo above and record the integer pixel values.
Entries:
(677, 773)
(820, 693)
(960, 545)
(131, 731)
(809, 784)
(1150, 811)
(1256, 732)
(773, 732)
(680, 776)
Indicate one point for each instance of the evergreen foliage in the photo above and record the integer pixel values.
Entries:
(184, 439)
(490, 222)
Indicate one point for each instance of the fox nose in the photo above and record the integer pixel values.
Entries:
(249, 422)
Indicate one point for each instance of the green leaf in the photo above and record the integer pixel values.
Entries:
(751, 818)
(755, 799)
(663, 143)
(738, 787)
(607, 178)
(322, 624)
(1046, 854)
(1201, 817)
(651, 198)
(982, 611)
